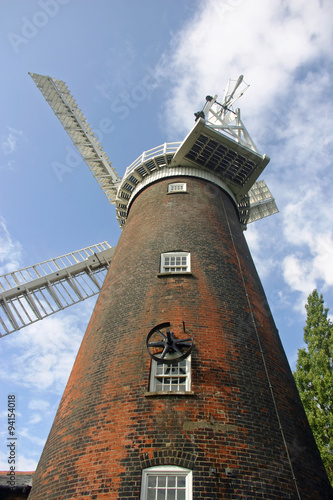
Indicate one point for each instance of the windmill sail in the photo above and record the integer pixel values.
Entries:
(71, 117)
(35, 292)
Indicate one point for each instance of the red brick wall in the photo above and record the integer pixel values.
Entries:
(107, 429)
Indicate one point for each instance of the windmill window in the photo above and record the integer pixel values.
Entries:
(177, 187)
(175, 262)
(174, 377)
(167, 483)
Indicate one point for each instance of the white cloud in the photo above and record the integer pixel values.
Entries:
(24, 433)
(253, 238)
(283, 50)
(44, 352)
(39, 404)
(43, 407)
(22, 462)
(262, 254)
(35, 418)
(10, 250)
(265, 41)
(9, 142)
(27, 464)
(308, 229)
(297, 273)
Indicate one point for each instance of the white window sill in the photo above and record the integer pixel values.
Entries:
(175, 273)
(169, 393)
(178, 192)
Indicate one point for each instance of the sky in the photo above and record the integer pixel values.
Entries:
(106, 51)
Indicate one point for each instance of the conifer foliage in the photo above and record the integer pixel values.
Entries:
(314, 376)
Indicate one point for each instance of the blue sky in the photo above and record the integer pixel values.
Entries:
(106, 51)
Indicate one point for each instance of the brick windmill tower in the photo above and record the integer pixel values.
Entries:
(181, 389)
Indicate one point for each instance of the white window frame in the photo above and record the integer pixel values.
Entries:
(168, 471)
(171, 381)
(177, 187)
(175, 262)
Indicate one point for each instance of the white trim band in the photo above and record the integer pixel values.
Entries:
(177, 172)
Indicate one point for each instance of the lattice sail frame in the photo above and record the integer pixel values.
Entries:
(59, 98)
(35, 292)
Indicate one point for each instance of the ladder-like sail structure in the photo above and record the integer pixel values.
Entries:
(262, 203)
(35, 292)
(71, 117)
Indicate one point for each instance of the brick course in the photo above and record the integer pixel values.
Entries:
(107, 430)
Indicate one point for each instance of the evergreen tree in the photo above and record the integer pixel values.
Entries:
(314, 376)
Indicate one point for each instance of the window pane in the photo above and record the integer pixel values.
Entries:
(171, 495)
(161, 494)
(181, 495)
(159, 386)
(159, 368)
(181, 481)
(151, 495)
(151, 481)
(171, 482)
(162, 481)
